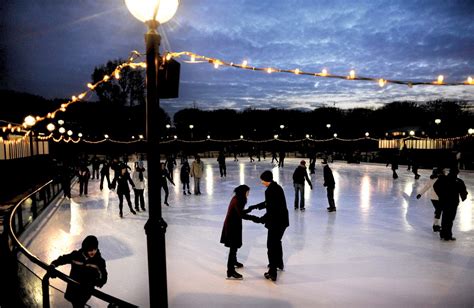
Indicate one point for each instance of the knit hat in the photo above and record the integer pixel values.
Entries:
(90, 243)
(267, 176)
(302, 162)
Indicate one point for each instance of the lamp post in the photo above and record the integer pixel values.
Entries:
(153, 13)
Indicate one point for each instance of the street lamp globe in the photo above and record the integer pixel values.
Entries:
(79, 135)
(328, 125)
(437, 121)
(168, 126)
(50, 127)
(147, 10)
(191, 126)
(412, 133)
(30, 120)
(62, 130)
(470, 131)
(367, 134)
(69, 132)
(282, 126)
(335, 135)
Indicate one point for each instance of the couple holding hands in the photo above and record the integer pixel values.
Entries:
(275, 220)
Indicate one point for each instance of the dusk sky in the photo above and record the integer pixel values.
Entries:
(50, 48)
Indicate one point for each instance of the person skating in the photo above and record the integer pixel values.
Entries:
(449, 189)
(105, 173)
(95, 162)
(123, 190)
(165, 177)
(138, 178)
(394, 165)
(184, 176)
(231, 235)
(428, 187)
(275, 220)
(222, 166)
(197, 171)
(299, 177)
(330, 184)
(83, 175)
(88, 268)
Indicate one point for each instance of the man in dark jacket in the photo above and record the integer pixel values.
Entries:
(299, 176)
(330, 184)
(449, 188)
(87, 268)
(275, 220)
(123, 190)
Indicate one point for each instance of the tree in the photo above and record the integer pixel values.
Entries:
(128, 90)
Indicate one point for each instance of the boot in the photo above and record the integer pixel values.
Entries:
(234, 274)
(238, 264)
(269, 275)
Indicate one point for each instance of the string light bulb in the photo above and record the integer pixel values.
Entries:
(382, 82)
(168, 57)
(244, 63)
(216, 64)
(50, 127)
(117, 75)
(324, 72)
(30, 120)
(69, 133)
(352, 74)
(297, 71)
(335, 135)
(62, 130)
(79, 135)
(269, 70)
(469, 80)
(440, 79)
(90, 86)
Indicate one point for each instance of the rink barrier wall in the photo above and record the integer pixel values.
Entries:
(20, 218)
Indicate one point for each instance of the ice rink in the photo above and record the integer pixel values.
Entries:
(378, 249)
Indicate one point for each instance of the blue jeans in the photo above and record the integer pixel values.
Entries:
(299, 195)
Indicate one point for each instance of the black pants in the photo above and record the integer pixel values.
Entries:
(223, 170)
(95, 173)
(185, 184)
(330, 194)
(102, 176)
(449, 213)
(165, 188)
(438, 209)
(274, 248)
(83, 184)
(139, 199)
(232, 260)
(127, 196)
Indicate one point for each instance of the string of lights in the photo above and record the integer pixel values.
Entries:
(195, 58)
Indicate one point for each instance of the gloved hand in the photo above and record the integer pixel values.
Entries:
(255, 219)
(51, 271)
(418, 196)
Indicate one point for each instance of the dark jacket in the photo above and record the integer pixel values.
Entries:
(184, 174)
(89, 272)
(122, 183)
(232, 230)
(300, 175)
(328, 177)
(449, 188)
(275, 204)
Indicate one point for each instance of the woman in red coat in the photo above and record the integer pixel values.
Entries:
(232, 231)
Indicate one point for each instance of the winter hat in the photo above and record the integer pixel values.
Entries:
(302, 162)
(267, 176)
(90, 243)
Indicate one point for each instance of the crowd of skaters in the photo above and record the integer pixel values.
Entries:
(444, 187)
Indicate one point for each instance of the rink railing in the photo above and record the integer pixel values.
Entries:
(22, 215)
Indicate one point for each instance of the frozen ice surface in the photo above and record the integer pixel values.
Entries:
(378, 249)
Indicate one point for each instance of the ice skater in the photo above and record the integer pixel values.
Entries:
(275, 220)
(88, 268)
(281, 163)
(394, 163)
(95, 162)
(232, 230)
(184, 176)
(299, 177)
(197, 170)
(138, 178)
(165, 177)
(84, 175)
(105, 173)
(449, 189)
(123, 190)
(330, 184)
(222, 166)
(428, 187)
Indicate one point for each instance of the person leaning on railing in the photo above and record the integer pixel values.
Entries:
(88, 268)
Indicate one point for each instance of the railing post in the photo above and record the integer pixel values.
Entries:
(45, 289)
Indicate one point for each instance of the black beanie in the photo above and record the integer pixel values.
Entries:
(267, 176)
(90, 243)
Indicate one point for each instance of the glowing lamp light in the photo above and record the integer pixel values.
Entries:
(175, 137)
(50, 127)
(440, 79)
(470, 80)
(244, 63)
(367, 134)
(30, 120)
(106, 136)
(216, 64)
(382, 82)
(470, 131)
(241, 136)
(335, 135)
(324, 72)
(412, 133)
(437, 121)
(282, 126)
(62, 130)
(352, 74)
(69, 132)
(193, 58)
(168, 126)
(269, 70)
(168, 57)
(208, 137)
(133, 137)
(80, 135)
(307, 135)
(60, 122)
(275, 136)
(90, 86)
(146, 10)
(140, 136)
(328, 125)
(191, 126)
(297, 71)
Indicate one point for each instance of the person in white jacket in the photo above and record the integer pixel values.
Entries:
(434, 198)
(138, 177)
(197, 171)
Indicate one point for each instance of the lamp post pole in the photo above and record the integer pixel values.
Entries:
(155, 227)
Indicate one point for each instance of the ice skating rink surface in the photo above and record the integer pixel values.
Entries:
(378, 249)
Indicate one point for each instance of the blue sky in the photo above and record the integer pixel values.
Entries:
(50, 48)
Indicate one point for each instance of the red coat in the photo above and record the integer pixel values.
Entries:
(232, 230)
